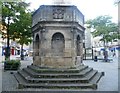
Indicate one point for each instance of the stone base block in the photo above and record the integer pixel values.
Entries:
(37, 60)
(57, 62)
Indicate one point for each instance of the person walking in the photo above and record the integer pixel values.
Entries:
(95, 57)
(114, 54)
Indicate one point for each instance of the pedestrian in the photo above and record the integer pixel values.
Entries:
(114, 54)
(95, 57)
(4, 52)
(106, 56)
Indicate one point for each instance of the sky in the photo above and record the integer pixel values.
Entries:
(90, 8)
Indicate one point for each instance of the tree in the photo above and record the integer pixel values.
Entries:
(17, 18)
(104, 27)
(7, 14)
(23, 30)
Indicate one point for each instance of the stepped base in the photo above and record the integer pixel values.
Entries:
(37, 77)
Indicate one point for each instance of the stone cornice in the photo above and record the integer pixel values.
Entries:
(70, 24)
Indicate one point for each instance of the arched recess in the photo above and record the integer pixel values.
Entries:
(37, 45)
(58, 44)
(78, 45)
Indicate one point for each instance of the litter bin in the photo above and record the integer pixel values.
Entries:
(95, 59)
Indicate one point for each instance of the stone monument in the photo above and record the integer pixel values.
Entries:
(58, 33)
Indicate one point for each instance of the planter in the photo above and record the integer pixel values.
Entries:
(12, 65)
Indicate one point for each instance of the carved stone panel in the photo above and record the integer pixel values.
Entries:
(58, 13)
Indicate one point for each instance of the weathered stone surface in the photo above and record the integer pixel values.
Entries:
(81, 77)
(58, 34)
(56, 62)
(37, 60)
(56, 30)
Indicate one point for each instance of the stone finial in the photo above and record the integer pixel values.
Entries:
(61, 2)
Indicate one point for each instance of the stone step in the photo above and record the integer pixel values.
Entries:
(85, 79)
(54, 70)
(97, 77)
(24, 75)
(20, 80)
(60, 86)
(57, 75)
(91, 74)
(42, 69)
(23, 84)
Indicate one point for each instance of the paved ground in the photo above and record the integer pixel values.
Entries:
(7, 79)
(107, 83)
(110, 81)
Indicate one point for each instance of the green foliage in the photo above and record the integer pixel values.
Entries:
(20, 21)
(12, 61)
(12, 64)
(17, 18)
(104, 27)
(22, 29)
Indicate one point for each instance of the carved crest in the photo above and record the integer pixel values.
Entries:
(58, 13)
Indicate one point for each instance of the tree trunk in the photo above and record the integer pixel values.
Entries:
(105, 52)
(7, 49)
(22, 52)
